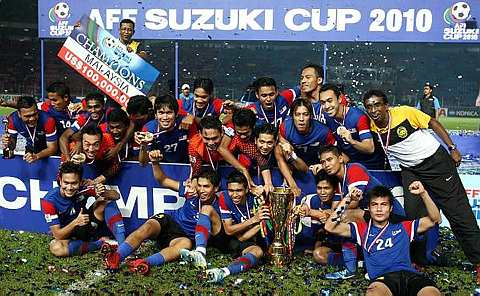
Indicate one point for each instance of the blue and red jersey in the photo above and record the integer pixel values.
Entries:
(238, 213)
(307, 146)
(187, 215)
(275, 116)
(214, 108)
(358, 124)
(292, 94)
(385, 249)
(64, 119)
(172, 143)
(37, 137)
(59, 210)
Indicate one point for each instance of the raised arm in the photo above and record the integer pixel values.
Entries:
(159, 175)
(433, 214)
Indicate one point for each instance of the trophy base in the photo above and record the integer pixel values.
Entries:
(278, 255)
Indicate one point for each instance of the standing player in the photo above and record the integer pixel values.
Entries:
(301, 138)
(35, 126)
(429, 104)
(311, 80)
(266, 137)
(404, 136)
(271, 107)
(203, 103)
(169, 138)
(60, 107)
(77, 216)
(126, 30)
(240, 221)
(351, 128)
(385, 245)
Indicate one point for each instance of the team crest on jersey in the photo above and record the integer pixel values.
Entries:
(284, 108)
(192, 159)
(402, 132)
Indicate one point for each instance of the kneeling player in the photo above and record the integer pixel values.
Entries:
(240, 220)
(76, 216)
(386, 246)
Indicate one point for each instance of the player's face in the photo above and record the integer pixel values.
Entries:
(58, 102)
(330, 162)
(212, 138)
(325, 190)
(91, 145)
(165, 117)
(186, 92)
(126, 32)
(301, 119)
(201, 98)
(205, 189)
(237, 192)
(376, 109)
(117, 130)
(380, 209)
(329, 102)
(427, 91)
(95, 108)
(29, 115)
(265, 143)
(267, 95)
(69, 184)
(244, 132)
(309, 81)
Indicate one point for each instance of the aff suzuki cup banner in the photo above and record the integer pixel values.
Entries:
(22, 186)
(104, 61)
(301, 20)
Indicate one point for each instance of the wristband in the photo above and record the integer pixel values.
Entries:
(292, 157)
(452, 147)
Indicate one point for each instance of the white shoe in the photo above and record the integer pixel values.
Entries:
(215, 275)
(194, 257)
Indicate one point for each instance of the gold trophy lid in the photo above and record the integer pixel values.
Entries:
(282, 190)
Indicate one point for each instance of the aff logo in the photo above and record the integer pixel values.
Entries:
(59, 15)
(461, 24)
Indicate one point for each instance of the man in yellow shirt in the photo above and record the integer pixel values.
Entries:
(127, 29)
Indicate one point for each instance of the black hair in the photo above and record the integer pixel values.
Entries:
(266, 128)
(331, 87)
(301, 102)
(139, 105)
(92, 130)
(237, 177)
(330, 148)
(427, 84)
(205, 83)
(60, 88)
(69, 167)
(244, 117)
(99, 97)
(318, 69)
(211, 175)
(127, 21)
(210, 122)
(264, 81)
(166, 101)
(118, 115)
(377, 93)
(26, 102)
(323, 176)
(380, 191)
